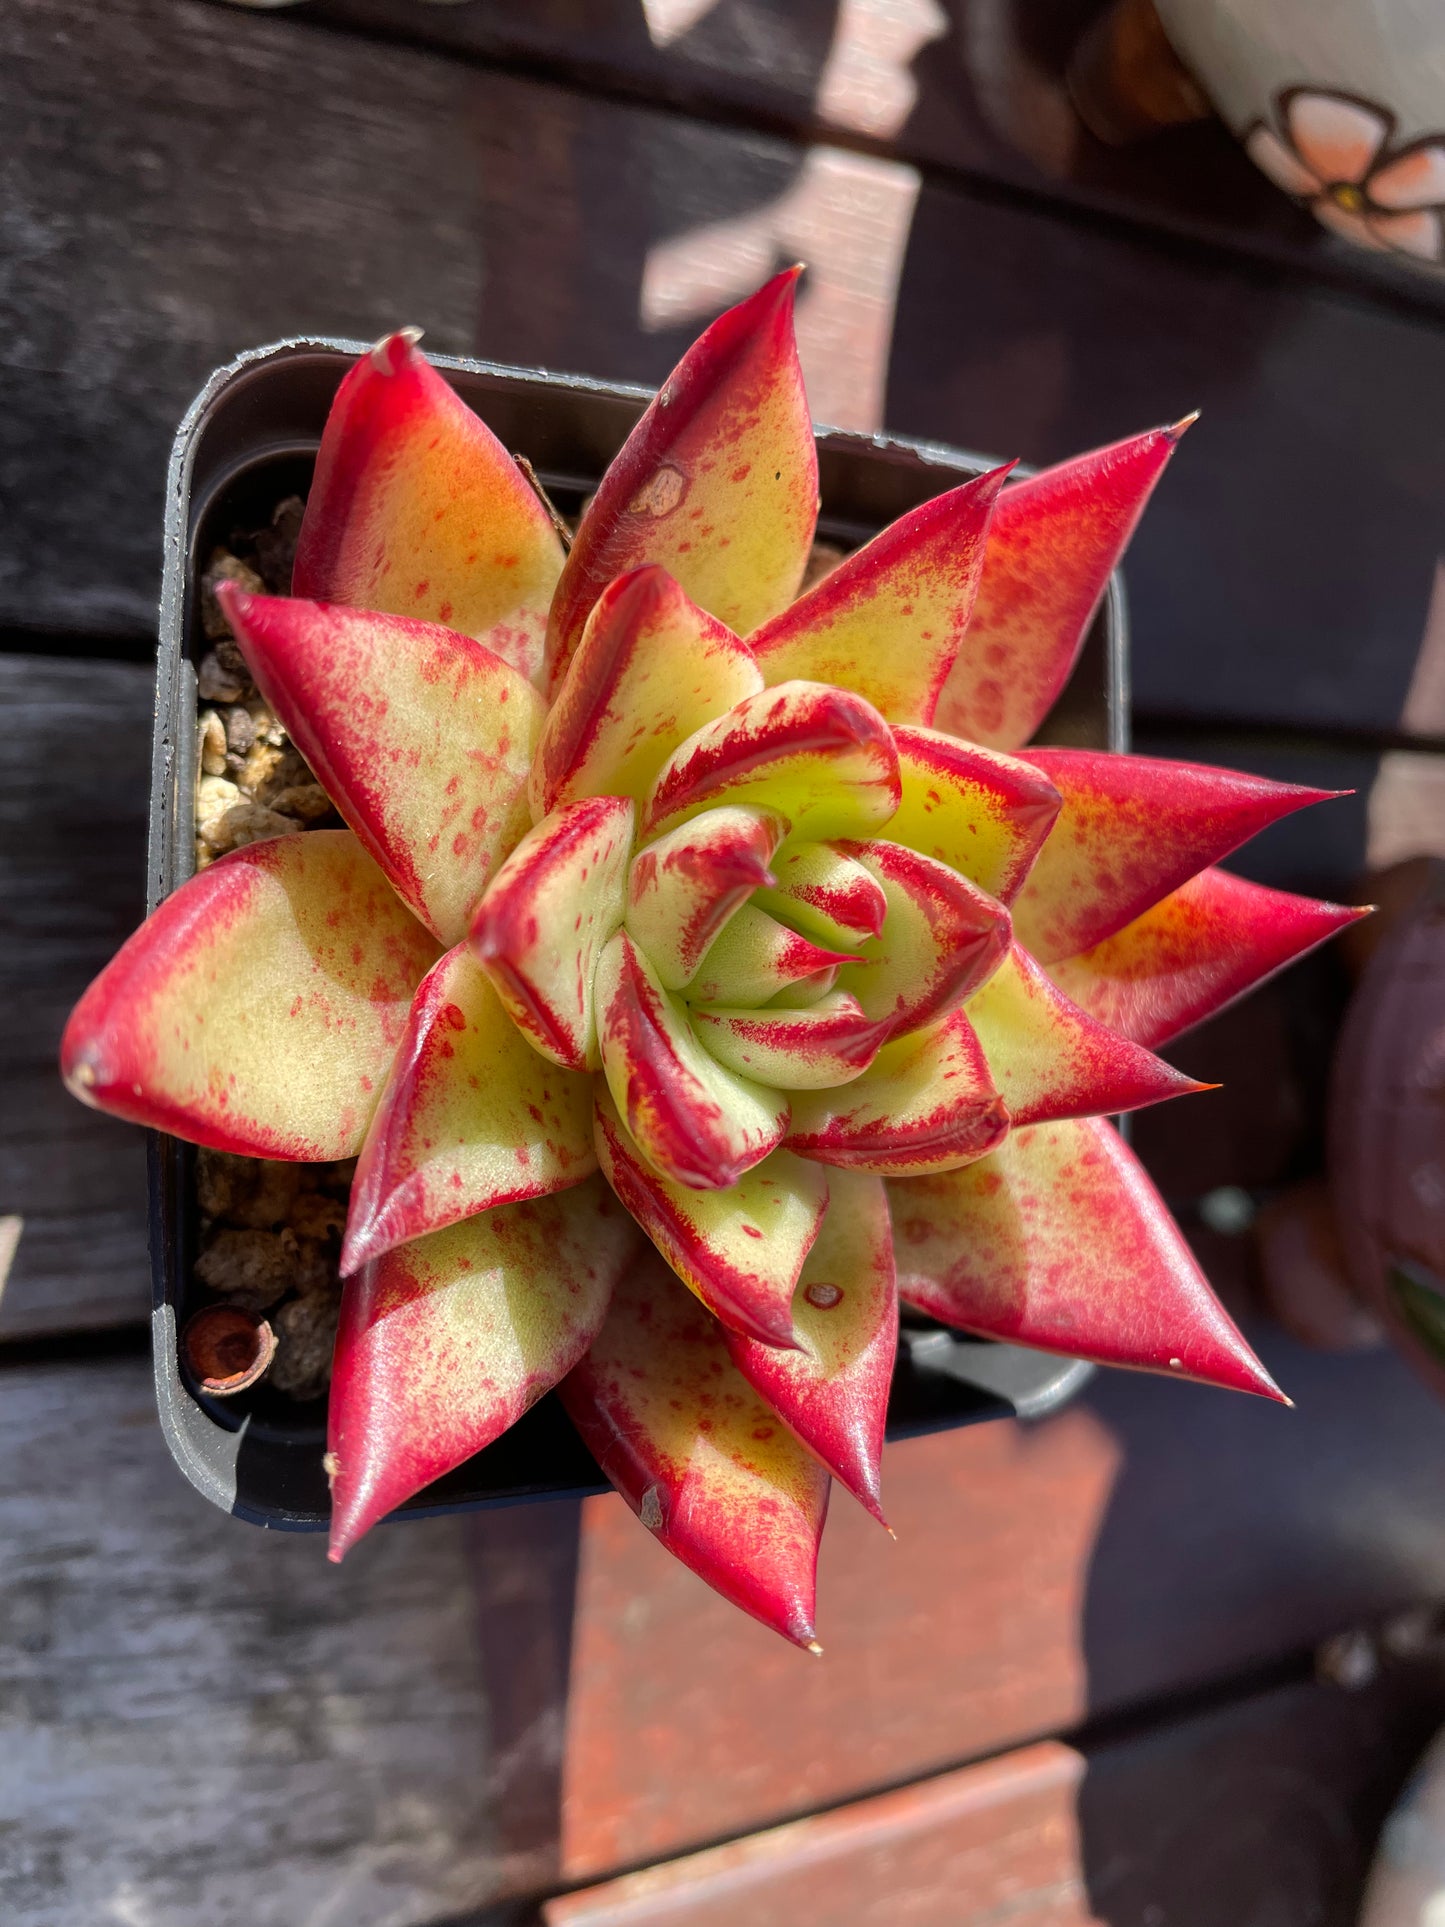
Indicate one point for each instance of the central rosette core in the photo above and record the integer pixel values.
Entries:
(720, 922)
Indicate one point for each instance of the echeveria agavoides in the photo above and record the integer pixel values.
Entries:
(704, 965)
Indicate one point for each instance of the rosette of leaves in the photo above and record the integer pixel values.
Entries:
(704, 966)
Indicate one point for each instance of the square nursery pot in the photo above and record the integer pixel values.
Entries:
(248, 441)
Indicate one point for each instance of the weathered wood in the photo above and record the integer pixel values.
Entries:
(1284, 570)
(202, 1723)
(968, 90)
(1264, 1810)
(74, 788)
(1154, 1536)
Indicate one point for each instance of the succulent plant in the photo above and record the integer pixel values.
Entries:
(703, 966)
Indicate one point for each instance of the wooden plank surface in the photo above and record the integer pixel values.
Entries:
(191, 179)
(1265, 1810)
(1153, 1536)
(201, 1724)
(74, 786)
(970, 89)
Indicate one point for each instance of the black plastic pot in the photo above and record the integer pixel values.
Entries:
(249, 439)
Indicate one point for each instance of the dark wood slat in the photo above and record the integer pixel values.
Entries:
(203, 1723)
(1151, 1538)
(1265, 1810)
(74, 789)
(192, 179)
(973, 91)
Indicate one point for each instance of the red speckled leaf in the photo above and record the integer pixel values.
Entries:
(650, 669)
(422, 739)
(696, 1123)
(943, 936)
(445, 1342)
(833, 1390)
(1059, 1241)
(1132, 829)
(1054, 539)
(1209, 942)
(718, 482)
(826, 894)
(1052, 1060)
(821, 756)
(684, 887)
(805, 1048)
(758, 959)
(984, 814)
(926, 1103)
(889, 621)
(542, 924)
(471, 1117)
(417, 509)
(259, 1009)
(740, 1249)
(711, 1471)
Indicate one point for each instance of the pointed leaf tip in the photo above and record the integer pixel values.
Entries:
(416, 509)
(1060, 1242)
(718, 482)
(707, 1466)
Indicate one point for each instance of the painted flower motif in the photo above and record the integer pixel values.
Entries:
(702, 969)
(1336, 155)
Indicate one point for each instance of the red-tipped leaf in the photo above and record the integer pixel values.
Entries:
(833, 1390)
(984, 814)
(259, 1009)
(416, 509)
(445, 1342)
(740, 1249)
(684, 887)
(718, 482)
(1054, 540)
(1132, 829)
(1060, 1242)
(1052, 1060)
(889, 621)
(1209, 942)
(708, 1467)
(471, 1117)
(421, 737)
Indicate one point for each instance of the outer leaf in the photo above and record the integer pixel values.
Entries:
(471, 1117)
(983, 814)
(942, 938)
(821, 756)
(1132, 829)
(826, 894)
(259, 1008)
(756, 959)
(718, 482)
(926, 1103)
(542, 924)
(823, 1044)
(684, 888)
(421, 738)
(444, 1343)
(710, 1470)
(741, 1249)
(1206, 944)
(889, 621)
(416, 509)
(1059, 1241)
(833, 1391)
(650, 669)
(696, 1123)
(1053, 1060)
(1054, 540)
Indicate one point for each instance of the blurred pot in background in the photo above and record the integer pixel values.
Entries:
(1341, 105)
